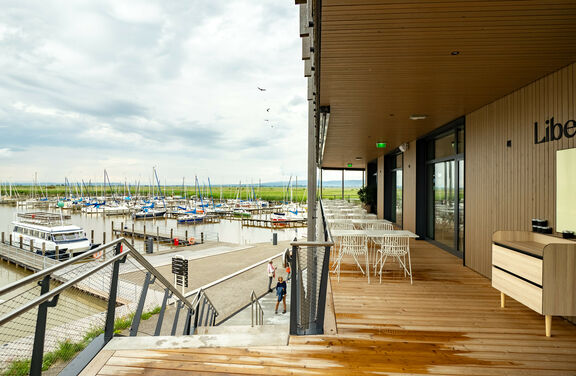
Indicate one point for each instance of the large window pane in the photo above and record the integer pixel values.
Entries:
(398, 193)
(461, 205)
(461, 143)
(442, 147)
(444, 202)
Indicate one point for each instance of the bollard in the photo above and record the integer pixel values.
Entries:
(186, 236)
(21, 239)
(202, 238)
(275, 238)
(10, 239)
(92, 236)
(144, 231)
(112, 229)
(104, 237)
(171, 234)
(31, 245)
(122, 226)
(132, 232)
(44, 249)
(57, 253)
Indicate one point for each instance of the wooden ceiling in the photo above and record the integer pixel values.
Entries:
(383, 60)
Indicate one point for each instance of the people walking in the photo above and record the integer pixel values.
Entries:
(271, 274)
(281, 293)
(287, 261)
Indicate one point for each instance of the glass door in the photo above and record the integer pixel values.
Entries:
(445, 191)
(443, 198)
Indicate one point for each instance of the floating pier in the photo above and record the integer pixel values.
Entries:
(268, 223)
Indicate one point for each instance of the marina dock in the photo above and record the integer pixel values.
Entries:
(268, 223)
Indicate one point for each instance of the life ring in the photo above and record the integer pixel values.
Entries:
(191, 240)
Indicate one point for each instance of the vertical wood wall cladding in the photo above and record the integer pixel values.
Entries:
(506, 187)
(380, 198)
(409, 186)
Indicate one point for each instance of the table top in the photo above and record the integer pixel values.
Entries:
(372, 233)
(367, 220)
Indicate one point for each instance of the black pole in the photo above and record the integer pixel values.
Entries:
(111, 313)
(162, 311)
(40, 334)
(294, 302)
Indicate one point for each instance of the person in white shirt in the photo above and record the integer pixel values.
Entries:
(271, 274)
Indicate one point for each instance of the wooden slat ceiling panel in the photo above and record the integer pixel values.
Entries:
(382, 61)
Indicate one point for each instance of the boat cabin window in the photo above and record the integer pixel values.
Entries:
(68, 236)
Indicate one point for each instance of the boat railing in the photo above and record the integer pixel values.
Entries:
(64, 315)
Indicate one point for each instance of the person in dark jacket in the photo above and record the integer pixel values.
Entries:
(281, 293)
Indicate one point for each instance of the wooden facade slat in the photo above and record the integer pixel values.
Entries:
(523, 177)
(447, 323)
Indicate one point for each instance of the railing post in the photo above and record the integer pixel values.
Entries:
(92, 236)
(162, 311)
(57, 255)
(111, 313)
(40, 333)
(10, 238)
(202, 237)
(294, 295)
(2, 236)
(188, 322)
(31, 245)
(21, 240)
(140, 308)
(323, 291)
(176, 315)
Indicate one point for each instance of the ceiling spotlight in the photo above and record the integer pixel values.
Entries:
(418, 117)
(358, 158)
(454, 53)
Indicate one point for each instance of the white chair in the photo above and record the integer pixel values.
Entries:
(353, 245)
(339, 226)
(397, 247)
(379, 226)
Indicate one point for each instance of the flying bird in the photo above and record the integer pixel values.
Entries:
(259, 88)
(267, 110)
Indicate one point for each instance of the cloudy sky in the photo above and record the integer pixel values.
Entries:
(88, 85)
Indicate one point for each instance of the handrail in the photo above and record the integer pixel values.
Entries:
(259, 313)
(230, 276)
(312, 244)
(42, 273)
(131, 250)
(42, 298)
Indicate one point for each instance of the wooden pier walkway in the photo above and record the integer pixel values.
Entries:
(25, 258)
(155, 234)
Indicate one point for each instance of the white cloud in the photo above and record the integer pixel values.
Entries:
(161, 83)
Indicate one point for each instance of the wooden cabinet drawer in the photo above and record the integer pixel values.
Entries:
(522, 291)
(518, 263)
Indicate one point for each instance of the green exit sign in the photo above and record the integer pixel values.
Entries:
(380, 145)
(349, 164)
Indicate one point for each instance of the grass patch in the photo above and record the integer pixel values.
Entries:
(67, 350)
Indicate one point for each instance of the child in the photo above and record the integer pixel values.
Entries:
(281, 292)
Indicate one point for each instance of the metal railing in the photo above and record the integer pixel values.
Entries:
(25, 310)
(309, 266)
(256, 311)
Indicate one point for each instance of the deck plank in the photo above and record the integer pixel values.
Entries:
(448, 322)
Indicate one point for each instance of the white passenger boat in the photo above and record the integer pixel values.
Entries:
(51, 230)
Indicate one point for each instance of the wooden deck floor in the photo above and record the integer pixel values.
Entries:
(449, 322)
